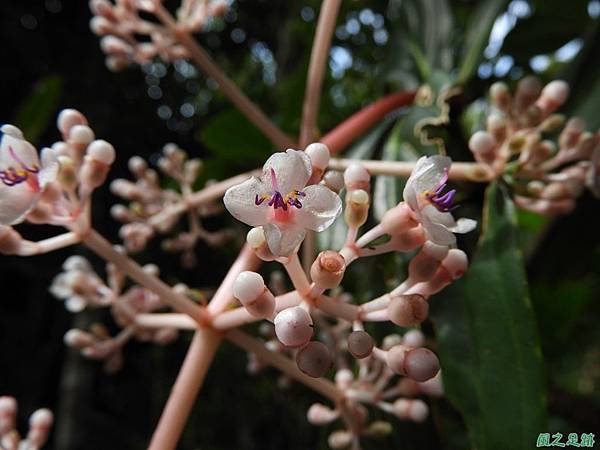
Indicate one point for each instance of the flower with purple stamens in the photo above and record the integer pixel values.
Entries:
(282, 204)
(23, 176)
(424, 193)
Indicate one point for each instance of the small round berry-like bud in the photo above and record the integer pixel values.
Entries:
(360, 344)
(344, 378)
(41, 418)
(334, 180)
(314, 359)
(256, 237)
(328, 269)
(500, 96)
(137, 165)
(482, 142)
(78, 339)
(248, 286)
(339, 440)
(319, 414)
(102, 151)
(409, 409)
(496, 126)
(318, 154)
(570, 134)
(357, 208)
(359, 197)
(408, 310)
(356, 177)
(398, 219)
(556, 91)
(293, 326)
(68, 118)
(390, 341)
(421, 364)
(413, 338)
(456, 263)
(8, 405)
(93, 173)
(81, 134)
(395, 358)
(120, 213)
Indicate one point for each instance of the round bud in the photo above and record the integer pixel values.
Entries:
(76, 262)
(390, 341)
(395, 358)
(408, 409)
(68, 118)
(319, 414)
(456, 263)
(119, 212)
(151, 269)
(556, 91)
(256, 237)
(42, 418)
(500, 96)
(318, 154)
(78, 339)
(102, 151)
(357, 208)
(314, 359)
(334, 180)
(8, 405)
(356, 177)
(81, 134)
(421, 364)
(328, 269)
(344, 378)
(293, 326)
(360, 344)
(339, 440)
(248, 286)
(75, 304)
(433, 387)
(408, 310)
(434, 250)
(422, 267)
(398, 219)
(137, 165)
(482, 142)
(529, 87)
(413, 338)
(359, 197)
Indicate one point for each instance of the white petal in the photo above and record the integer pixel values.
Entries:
(435, 216)
(426, 175)
(15, 202)
(464, 225)
(16, 151)
(50, 167)
(285, 240)
(240, 202)
(438, 233)
(320, 208)
(292, 170)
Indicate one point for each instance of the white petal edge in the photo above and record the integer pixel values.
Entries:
(464, 225)
(240, 202)
(50, 167)
(283, 241)
(292, 169)
(320, 208)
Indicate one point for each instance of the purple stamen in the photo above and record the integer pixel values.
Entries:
(258, 200)
(442, 202)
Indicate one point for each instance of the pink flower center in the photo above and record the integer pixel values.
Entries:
(20, 172)
(278, 201)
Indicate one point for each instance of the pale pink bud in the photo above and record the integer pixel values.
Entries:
(390, 341)
(408, 409)
(570, 134)
(334, 180)
(422, 267)
(528, 89)
(456, 263)
(413, 338)
(80, 134)
(318, 154)
(433, 387)
(68, 118)
(409, 240)
(258, 242)
(314, 359)
(112, 45)
(164, 336)
(42, 418)
(553, 95)
(421, 364)
(344, 378)
(319, 414)
(357, 208)
(78, 339)
(339, 440)
(408, 310)
(103, 8)
(496, 126)
(293, 326)
(360, 344)
(8, 412)
(101, 26)
(408, 388)
(328, 269)
(218, 8)
(93, 173)
(395, 358)
(483, 146)
(101, 151)
(398, 219)
(116, 63)
(120, 213)
(357, 177)
(500, 96)
(249, 288)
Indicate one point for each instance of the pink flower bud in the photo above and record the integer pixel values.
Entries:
(408, 310)
(257, 240)
(496, 126)
(456, 263)
(314, 359)
(101, 151)
(320, 415)
(293, 326)
(409, 240)
(318, 154)
(328, 269)
(93, 174)
(422, 267)
(390, 341)
(80, 134)
(421, 364)
(334, 180)
(357, 177)
(570, 134)
(398, 219)
(528, 89)
(68, 118)
(413, 338)
(500, 96)
(249, 288)
(42, 418)
(553, 95)
(339, 440)
(395, 358)
(357, 208)
(344, 378)
(408, 409)
(112, 45)
(101, 26)
(360, 344)
(78, 339)
(433, 387)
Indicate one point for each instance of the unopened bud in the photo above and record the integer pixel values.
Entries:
(93, 173)
(456, 263)
(357, 208)
(293, 326)
(390, 341)
(413, 338)
(408, 409)
(334, 180)
(249, 288)
(528, 89)
(78, 339)
(398, 219)
(380, 429)
(408, 310)
(68, 118)
(496, 126)
(421, 364)
(339, 440)
(319, 155)
(328, 269)
(81, 135)
(422, 267)
(553, 95)
(319, 414)
(344, 378)
(102, 151)
(500, 96)
(314, 359)
(257, 240)
(357, 177)
(360, 344)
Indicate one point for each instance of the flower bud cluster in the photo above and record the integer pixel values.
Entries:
(128, 38)
(40, 423)
(149, 208)
(547, 173)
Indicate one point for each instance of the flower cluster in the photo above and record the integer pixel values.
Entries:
(81, 287)
(40, 423)
(121, 25)
(547, 174)
(154, 208)
(326, 332)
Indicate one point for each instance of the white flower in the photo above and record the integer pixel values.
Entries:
(22, 176)
(280, 203)
(424, 193)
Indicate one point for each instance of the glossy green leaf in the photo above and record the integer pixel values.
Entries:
(477, 36)
(488, 341)
(39, 109)
(232, 137)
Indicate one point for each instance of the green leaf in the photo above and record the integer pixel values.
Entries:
(488, 342)
(36, 112)
(233, 138)
(477, 36)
